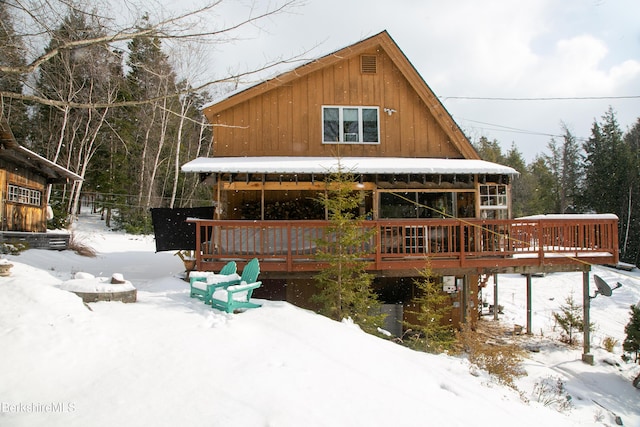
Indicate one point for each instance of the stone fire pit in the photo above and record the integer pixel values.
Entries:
(94, 289)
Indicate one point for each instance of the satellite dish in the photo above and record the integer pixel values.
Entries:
(603, 287)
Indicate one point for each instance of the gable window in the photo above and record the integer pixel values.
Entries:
(350, 125)
(24, 195)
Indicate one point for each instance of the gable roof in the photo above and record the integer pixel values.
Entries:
(382, 40)
(11, 151)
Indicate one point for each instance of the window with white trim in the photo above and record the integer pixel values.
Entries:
(24, 195)
(494, 202)
(350, 125)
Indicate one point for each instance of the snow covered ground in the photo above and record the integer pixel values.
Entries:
(170, 360)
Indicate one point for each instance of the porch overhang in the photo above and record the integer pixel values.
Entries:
(356, 165)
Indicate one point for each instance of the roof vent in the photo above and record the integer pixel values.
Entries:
(369, 64)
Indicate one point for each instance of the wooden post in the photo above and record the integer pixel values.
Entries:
(465, 298)
(529, 311)
(495, 297)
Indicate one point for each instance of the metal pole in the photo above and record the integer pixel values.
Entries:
(529, 311)
(586, 305)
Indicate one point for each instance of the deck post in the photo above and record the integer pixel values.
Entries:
(529, 311)
(495, 297)
(587, 357)
(465, 299)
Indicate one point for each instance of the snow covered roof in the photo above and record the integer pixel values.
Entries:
(361, 165)
(571, 216)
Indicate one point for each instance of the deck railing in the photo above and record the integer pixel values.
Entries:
(290, 246)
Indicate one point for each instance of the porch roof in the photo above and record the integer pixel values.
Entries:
(358, 165)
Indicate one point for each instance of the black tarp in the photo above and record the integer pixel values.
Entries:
(171, 229)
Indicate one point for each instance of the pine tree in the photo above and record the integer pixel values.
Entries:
(564, 164)
(345, 288)
(521, 185)
(631, 342)
(12, 53)
(435, 331)
(489, 150)
(606, 168)
(541, 199)
(570, 318)
(630, 232)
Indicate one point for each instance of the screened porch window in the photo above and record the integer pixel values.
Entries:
(350, 125)
(416, 204)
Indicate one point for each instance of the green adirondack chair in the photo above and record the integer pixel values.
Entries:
(238, 295)
(204, 291)
(235, 297)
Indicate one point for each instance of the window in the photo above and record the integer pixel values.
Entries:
(416, 204)
(350, 125)
(27, 196)
(493, 201)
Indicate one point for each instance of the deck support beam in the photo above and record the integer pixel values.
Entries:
(495, 297)
(587, 357)
(529, 309)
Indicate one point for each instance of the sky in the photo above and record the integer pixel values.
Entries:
(169, 359)
(467, 49)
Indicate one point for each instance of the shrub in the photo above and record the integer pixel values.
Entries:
(551, 392)
(13, 247)
(502, 361)
(609, 343)
(80, 247)
(433, 330)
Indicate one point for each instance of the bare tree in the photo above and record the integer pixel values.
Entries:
(38, 20)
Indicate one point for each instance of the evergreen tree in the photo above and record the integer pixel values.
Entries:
(521, 185)
(606, 167)
(564, 164)
(570, 318)
(608, 171)
(631, 342)
(541, 199)
(345, 289)
(489, 150)
(12, 53)
(432, 311)
(150, 147)
(630, 232)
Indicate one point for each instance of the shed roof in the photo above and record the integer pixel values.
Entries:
(358, 165)
(11, 151)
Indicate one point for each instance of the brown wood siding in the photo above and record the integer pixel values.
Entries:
(19, 216)
(286, 120)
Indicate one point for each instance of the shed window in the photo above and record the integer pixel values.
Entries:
(350, 125)
(24, 195)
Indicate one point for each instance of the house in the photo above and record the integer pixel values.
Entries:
(366, 110)
(24, 177)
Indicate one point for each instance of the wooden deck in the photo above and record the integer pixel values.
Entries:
(399, 247)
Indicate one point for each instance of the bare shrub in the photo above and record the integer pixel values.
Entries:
(80, 247)
(551, 392)
(609, 343)
(502, 360)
